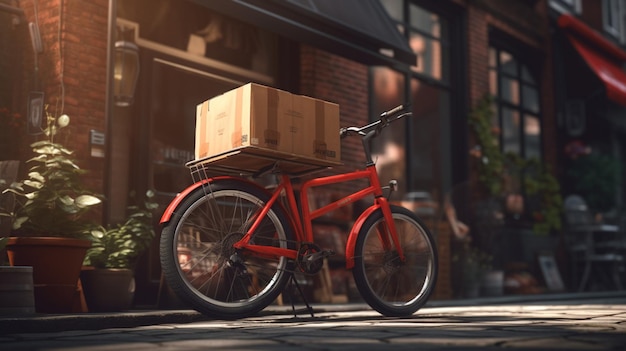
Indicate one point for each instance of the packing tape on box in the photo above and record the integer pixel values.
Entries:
(320, 127)
(271, 134)
(237, 137)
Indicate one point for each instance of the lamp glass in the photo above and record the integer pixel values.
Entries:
(126, 72)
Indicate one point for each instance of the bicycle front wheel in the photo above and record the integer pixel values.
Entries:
(199, 261)
(389, 285)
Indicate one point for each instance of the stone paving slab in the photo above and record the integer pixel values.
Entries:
(558, 325)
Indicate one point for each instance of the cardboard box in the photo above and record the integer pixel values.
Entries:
(269, 119)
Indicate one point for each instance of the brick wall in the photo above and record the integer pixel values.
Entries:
(72, 71)
(13, 41)
(333, 78)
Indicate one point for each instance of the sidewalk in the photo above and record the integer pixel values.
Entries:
(40, 323)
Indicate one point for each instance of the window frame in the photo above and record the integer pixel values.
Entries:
(613, 18)
(502, 104)
(573, 6)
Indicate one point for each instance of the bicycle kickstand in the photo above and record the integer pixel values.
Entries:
(294, 281)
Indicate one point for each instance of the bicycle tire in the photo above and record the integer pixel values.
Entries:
(391, 287)
(196, 250)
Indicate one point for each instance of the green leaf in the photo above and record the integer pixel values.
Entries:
(36, 176)
(66, 200)
(86, 201)
(33, 184)
(17, 223)
(97, 233)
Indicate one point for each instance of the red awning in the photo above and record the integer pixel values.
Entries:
(602, 56)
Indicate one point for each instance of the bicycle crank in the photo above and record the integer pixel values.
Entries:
(311, 258)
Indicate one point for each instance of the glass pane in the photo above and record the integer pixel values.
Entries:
(493, 82)
(527, 77)
(509, 88)
(508, 63)
(387, 88)
(511, 131)
(429, 155)
(394, 9)
(175, 93)
(425, 21)
(430, 55)
(530, 97)
(400, 28)
(388, 151)
(532, 137)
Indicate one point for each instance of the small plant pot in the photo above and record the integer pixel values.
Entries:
(492, 283)
(16, 290)
(108, 289)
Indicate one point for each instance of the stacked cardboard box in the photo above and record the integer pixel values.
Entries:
(255, 120)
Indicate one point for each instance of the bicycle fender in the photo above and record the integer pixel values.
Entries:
(171, 208)
(354, 233)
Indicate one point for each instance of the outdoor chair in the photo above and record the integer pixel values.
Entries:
(594, 247)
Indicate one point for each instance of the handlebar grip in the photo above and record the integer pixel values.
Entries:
(343, 132)
(394, 110)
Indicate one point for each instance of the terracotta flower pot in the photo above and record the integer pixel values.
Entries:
(56, 266)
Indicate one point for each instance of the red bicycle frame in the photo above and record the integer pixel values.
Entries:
(303, 222)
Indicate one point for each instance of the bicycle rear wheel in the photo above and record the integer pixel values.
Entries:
(390, 286)
(199, 261)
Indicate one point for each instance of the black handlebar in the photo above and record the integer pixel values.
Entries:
(385, 118)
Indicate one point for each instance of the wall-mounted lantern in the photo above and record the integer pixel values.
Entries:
(126, 72)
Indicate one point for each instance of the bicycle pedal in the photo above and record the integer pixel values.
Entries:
(320, 255)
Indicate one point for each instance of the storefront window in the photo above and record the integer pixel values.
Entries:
(517, 104)
(175, 94)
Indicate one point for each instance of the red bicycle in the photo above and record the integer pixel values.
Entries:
(229, 246)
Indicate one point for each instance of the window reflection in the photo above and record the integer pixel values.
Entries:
(511, 130)
(510, 90)
(429, 55)
(530, 96)
(174, 97)
(394, 9)
(425, 21)
(431, 110)
(532, 132)
(507, 63)
(427, 36)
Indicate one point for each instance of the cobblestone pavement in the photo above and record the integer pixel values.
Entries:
(552, 325)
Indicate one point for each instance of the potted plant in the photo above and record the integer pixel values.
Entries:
(50, 231)
(472, 263)
(108, 275)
